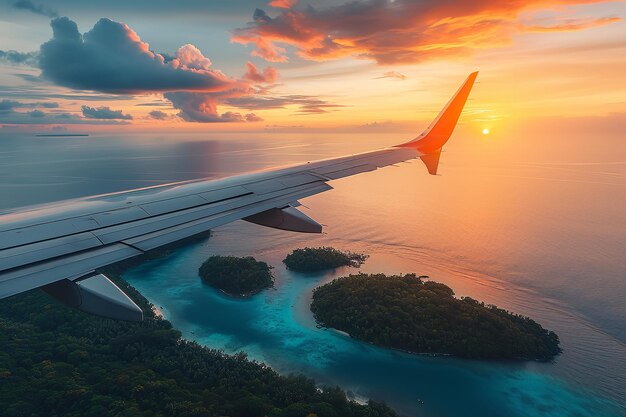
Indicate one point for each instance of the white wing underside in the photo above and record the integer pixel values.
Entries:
(42, 245)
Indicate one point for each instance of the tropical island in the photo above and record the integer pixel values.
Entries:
(55, 360)
(408, 313)
(320, 259)
(235, 276)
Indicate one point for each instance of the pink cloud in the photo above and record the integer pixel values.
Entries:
(203, 107)
(268, 76)
(188, 57)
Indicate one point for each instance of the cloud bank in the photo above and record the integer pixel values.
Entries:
(19, 58)
(9, 115)
(306, 104)
(7, 106)
(202, 107)
(35, 8)
(158, 115)
(111, 58)
(11, 105)
(390, 31)
(104, 113)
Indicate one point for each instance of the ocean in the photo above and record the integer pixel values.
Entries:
(529, 222)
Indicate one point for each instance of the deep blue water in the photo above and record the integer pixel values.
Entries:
(541, 235)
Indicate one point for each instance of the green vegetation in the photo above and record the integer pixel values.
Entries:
(407, 313)
(56, 361)
(319, 259)
(236, 276)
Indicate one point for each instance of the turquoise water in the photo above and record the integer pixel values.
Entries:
(277, 328)
(534, 224)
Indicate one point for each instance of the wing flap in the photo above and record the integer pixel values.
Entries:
(224, 194)
(71, 266)
(36, 252)
(154, 224)
(264, 187)
(346, 172)
(118, 216)
(173, 204)
(298, 179)
(172, 234)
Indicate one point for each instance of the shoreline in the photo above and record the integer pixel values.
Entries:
(157, 312)
(431, 354)
(322, 326)
(480, 332)
(346, 334)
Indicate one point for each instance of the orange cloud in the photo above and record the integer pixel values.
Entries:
(393, 74)
(572, 25)
(283, 4)
(390, 32)
(306, 104)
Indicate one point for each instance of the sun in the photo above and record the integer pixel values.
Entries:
(485, 131)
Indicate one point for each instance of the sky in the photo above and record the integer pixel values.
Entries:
(378, 65)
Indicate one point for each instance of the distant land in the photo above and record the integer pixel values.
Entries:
(408, 313)
(320, 259)
(60, 135)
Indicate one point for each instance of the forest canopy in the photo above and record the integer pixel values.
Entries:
(236, 276)
(320, 259)
(57, 361)
(411, 314)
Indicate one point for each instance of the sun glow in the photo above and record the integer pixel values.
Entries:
(485, 131)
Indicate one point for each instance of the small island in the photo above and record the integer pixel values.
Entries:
(408, 313)
(320, 259)
(237, 277)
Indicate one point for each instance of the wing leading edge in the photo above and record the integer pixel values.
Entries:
(60, 247)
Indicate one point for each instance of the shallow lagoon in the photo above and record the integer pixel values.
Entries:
(277, 328)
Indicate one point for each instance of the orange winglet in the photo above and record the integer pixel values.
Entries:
(430, 142)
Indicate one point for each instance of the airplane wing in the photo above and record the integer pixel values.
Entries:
(60, 247)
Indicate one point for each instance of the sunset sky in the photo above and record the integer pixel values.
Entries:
(75, 66)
